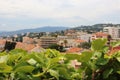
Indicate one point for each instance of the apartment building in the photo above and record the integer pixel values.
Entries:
(86, 37)
(113, 31)
(44, 42)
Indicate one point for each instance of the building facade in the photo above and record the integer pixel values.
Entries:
(113, 31)
(98, 35)
(44, 42)
(86, 37)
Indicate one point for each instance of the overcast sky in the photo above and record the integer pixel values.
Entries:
(21, 14)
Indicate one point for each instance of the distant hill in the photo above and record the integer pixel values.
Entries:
(94, 28)
(41, 29)
(89, 29)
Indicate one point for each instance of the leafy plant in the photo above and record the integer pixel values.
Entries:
(95, 64)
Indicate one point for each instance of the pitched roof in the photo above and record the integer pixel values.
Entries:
(80, 41)
(2, 42)
(24, 46)
(100, 34)
(74, 49)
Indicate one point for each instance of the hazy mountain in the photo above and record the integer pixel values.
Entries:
(41, 29)
(89, 28)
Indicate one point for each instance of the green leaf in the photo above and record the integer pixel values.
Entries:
(54, 73)
(92, 65)
(17, 51)
(25, 69)
(37, 58)
(64, 73)
(98, 44)
(83, 57)
(4, 68)
(96, 55)
(102, 61)
(118, 72)
(22, 76)
(72, 56)
(107, 73)
(3, 59)
(115, 44)
(14, 58)
(118, 58)
(76, 76)
(32, 61)
(38, 74)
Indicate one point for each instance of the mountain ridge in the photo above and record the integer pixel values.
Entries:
(40, 29)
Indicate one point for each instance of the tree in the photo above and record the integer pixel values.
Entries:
(109, 38)
(65, 42)
(57, 47)
(85, 45)
(9, 46)
(54, 46)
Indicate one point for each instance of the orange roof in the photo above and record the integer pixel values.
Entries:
(74, 49)
(79, 40)
(24, 46)
(2, 41)
(100, 34)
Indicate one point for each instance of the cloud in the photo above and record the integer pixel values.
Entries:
(57, 8)
(67, 12)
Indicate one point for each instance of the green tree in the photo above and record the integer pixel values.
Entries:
(85, 45)
(54, 46)
(65, 42)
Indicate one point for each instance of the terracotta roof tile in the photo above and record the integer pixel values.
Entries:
(2, 41)
(74, 49)
(24, 46)
(80, 41)
(100, 34)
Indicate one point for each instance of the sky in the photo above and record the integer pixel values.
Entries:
(24, 14)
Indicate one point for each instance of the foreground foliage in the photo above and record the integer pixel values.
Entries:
(96, 64)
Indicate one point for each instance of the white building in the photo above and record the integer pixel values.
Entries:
(62, 37)
(113, 31)
(86, 37)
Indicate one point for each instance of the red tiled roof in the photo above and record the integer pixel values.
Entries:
(24, 46)
(2, 41)
(79, 41)
(100, 34)
(74, 49)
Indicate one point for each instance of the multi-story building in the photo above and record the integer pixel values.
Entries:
(62, 37)
(86, 37)
(71, 42)
(44, 42)
(113, 31)
(72, 35)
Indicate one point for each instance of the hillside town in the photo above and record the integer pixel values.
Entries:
(67, 41)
